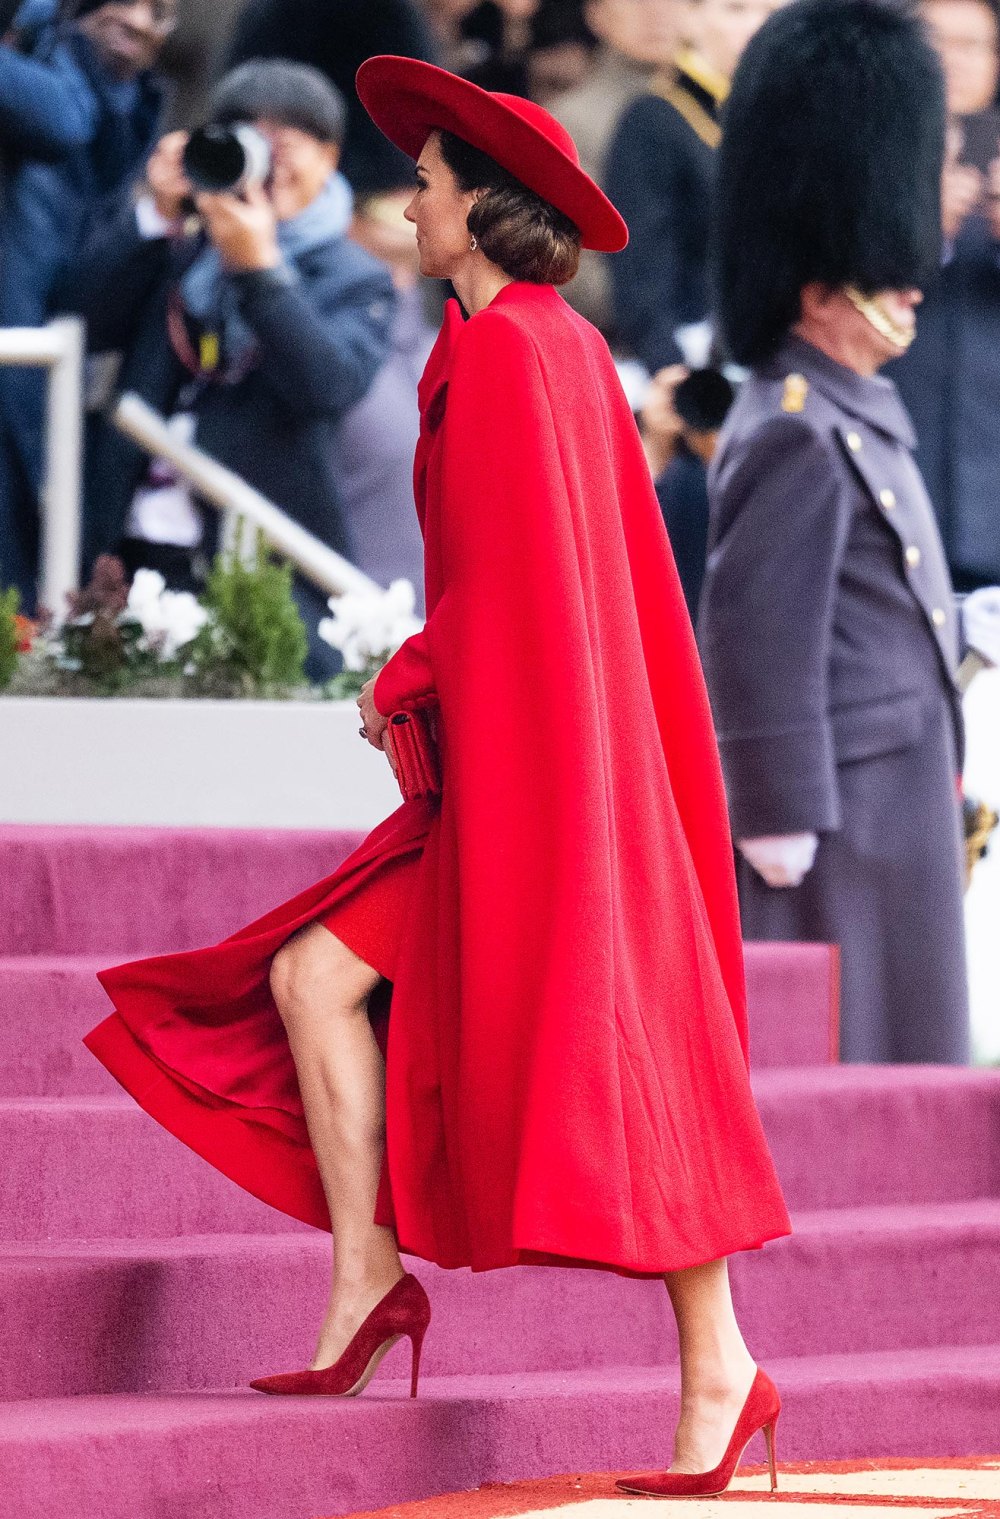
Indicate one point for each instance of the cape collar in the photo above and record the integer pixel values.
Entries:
(437, 371)
(874, 399)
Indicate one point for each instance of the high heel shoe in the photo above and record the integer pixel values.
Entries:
(404, 1312)
(759, 1412)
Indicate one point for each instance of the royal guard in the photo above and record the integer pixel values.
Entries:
(829, 630)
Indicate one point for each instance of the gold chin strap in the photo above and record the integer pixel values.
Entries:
(899, 337)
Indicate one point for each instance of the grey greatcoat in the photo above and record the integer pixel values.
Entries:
(830, 640)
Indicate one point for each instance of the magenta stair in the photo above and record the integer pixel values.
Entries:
(116, 1316)
(48, 1002)
(230, 1455)
(906, 1135)
(139, 1290)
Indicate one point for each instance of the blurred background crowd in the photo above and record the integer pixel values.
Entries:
(309, 390)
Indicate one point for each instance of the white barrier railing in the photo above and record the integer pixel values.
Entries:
(224, 489)
(60, 349)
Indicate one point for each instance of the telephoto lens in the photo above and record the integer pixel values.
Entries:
(220, 158)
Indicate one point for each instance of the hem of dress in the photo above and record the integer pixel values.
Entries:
(283, 1174)
(258, 1159)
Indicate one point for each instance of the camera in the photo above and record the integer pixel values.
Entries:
(227, 158)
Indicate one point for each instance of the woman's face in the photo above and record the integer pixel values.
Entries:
(439, 211)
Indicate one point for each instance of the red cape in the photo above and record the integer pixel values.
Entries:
(566, 1074)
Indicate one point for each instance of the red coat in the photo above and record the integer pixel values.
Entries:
(566, 1072)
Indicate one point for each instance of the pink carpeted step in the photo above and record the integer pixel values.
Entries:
(47, 1004)
(240, 1455)
(99, 1168)
(214, 1311)
(842, 1136)
(793, 996)
(108, 894)
(855, 1135)
(124, 892)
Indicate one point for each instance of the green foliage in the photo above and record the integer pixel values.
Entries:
(256, 631)
(10, 601)
(346, 685)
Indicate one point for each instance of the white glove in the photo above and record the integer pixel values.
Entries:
(981, 622)
(782, 861)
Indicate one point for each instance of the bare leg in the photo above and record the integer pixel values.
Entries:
(717, 1370)
(321, 990)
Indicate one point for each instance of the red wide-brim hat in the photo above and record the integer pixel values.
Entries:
(408, 100)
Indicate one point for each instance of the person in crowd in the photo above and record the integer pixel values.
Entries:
(455, 50)
(681, 419)
(566, 1079)
(335, 36)
(828, 629)
(635, 38)
(376, 438)
(77, 119)
(255, 335)
(660, 167)
(561, 53)
(950, 377)
(194, 57)
(501, 30)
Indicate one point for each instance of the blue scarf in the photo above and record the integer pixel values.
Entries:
(209, 294)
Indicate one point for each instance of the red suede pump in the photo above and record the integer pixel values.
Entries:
(759, 1412)
(404, 1312)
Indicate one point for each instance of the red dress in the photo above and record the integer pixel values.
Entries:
(567, 1044)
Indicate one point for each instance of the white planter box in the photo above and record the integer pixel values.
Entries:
(225, 764)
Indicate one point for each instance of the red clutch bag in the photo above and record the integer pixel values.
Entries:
(418, 764)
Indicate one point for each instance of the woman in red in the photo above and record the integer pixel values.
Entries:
(566, 1071)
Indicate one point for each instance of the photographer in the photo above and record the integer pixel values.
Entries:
(255, 333)
(77, 120)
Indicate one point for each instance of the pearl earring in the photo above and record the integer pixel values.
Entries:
(473, 245)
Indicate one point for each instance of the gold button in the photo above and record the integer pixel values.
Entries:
(887, 498)
(854, 442)
(913, 556)
(939, 617)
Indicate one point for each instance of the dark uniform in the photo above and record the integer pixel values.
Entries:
(830, 641)
(827, 623)
(659, 173)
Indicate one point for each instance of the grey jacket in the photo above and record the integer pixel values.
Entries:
(827, 621)
(830, 640)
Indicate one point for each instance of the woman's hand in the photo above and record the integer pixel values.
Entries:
(375, 725)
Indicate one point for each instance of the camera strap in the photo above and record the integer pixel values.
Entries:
(205, 361)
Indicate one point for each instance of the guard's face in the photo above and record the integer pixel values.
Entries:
(898, 311)
(439, 211)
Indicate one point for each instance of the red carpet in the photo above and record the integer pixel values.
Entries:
(958, 1489)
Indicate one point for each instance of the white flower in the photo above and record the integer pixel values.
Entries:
(169, 619)
(146, 589)
(370, 626)
(183, 617)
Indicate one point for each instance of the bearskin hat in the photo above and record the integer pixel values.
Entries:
(830, 165)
